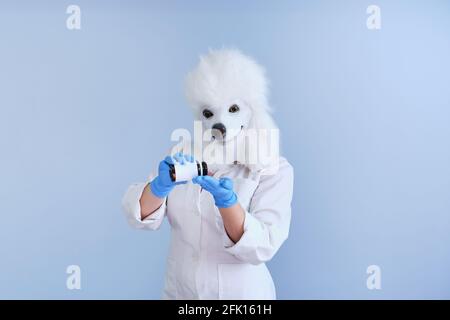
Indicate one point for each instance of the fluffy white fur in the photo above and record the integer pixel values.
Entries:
(223, 77)
(226, 75)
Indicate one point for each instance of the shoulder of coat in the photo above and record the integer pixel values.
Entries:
(282, 168)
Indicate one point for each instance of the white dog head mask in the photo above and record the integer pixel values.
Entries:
(228, 92)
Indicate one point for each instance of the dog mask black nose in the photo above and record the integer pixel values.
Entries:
(220, 127)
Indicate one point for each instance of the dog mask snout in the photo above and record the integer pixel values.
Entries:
(220, 127)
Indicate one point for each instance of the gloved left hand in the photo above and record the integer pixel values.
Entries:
(221, 190)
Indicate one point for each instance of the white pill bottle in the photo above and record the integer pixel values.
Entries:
(187, 171)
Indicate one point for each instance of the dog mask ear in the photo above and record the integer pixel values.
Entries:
(267, 149)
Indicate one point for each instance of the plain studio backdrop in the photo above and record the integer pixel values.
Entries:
(364, 118)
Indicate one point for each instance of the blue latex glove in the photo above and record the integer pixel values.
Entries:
(221, 190)
(162, 184)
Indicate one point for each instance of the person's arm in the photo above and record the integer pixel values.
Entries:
(132, 208)
(266, 223)
(226, 201)
(257, 236)
(153, 195)
(233, 221)
(149, 202)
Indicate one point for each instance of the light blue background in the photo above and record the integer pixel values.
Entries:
(364, 118)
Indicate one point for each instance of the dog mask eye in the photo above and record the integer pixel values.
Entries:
(207, 114)
(234, 108)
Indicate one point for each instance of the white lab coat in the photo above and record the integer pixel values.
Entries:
(203, 262)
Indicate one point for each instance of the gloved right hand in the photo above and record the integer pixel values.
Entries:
(163, 184)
